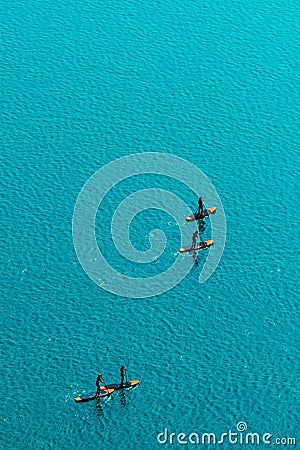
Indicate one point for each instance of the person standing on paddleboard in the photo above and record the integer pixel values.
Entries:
(98, 381)
(194, 238)
(200, 205)
(122, 373)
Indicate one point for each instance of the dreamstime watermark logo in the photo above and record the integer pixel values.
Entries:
(98, 186)
(240, 436)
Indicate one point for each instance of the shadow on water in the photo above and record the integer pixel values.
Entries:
(123, 396)
(101, 412)
(124, 399)
(201, 226)
(99, 409)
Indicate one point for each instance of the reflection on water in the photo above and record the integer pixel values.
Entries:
(201, 226)
(100, 404)
(124, 400)
(99, 408)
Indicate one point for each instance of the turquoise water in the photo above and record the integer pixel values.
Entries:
(84, 83)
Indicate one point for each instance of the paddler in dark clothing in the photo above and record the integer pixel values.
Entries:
(200, 205)
(122, 373)
(98, 381)
(194, 238)
(197, 235)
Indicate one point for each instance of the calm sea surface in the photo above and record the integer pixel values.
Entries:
(84, 83)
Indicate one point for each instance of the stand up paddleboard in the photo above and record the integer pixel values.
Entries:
(207, 212)
(117, 387)
(106, 390)
(93, 396)
(200, 246)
